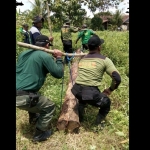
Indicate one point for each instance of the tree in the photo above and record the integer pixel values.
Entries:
(96, 23)
(101, 5)
(116, 20)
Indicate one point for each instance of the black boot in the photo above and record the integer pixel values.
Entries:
(33, 117)
(41, 135)
(99, 119)
(81, 108)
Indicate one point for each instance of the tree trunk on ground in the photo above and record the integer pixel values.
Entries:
(69, 119)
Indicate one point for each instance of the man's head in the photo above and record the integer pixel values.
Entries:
(38, 22)
(42, 41)
(25, 27)
(94, 43)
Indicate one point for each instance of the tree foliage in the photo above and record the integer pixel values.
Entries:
(96, 23)
(72, 9)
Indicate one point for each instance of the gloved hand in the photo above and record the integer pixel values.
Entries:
(107, 92)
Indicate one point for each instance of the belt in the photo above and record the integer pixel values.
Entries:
(20, 92)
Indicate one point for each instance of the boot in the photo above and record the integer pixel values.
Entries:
(81, 108)
(99, 119)
(41, 135)
(33, 117)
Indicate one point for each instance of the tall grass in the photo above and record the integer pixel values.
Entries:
(114, 135)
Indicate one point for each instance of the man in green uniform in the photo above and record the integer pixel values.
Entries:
(85, 34)
(31, 70)
(90, 73)
(66, 37)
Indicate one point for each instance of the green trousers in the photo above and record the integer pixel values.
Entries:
(44, 107)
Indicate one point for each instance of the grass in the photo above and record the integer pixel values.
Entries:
(114, 135)
(89, 137)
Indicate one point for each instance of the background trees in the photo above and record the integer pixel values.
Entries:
(72, 9)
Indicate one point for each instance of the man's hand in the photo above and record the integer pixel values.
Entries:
(57, 53)
(107, 92)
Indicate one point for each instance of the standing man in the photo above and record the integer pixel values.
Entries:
(25, 34)
(36, 28)
(31, 71)
(85, 35)
(66, 38)
(90, 73)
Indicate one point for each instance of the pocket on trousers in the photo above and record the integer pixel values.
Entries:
(87, 94)
(75, 89)
(21, 100)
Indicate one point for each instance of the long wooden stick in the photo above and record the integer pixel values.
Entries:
(48, 50)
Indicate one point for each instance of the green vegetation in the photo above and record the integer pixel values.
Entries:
(115, 134)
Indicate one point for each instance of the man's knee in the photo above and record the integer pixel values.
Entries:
(46, 104)
(105, 102)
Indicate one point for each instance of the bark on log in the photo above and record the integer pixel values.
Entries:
(69, 119)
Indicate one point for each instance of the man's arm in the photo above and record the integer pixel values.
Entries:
(54, 67)
(74, 29)
(114, 74)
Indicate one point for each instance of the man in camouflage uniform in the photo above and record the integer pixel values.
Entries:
(66, 38)
(31, 71)
(90, 73)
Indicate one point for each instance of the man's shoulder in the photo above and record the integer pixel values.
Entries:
(34, 30)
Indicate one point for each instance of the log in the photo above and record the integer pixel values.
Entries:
(48, 50)
(69, 118)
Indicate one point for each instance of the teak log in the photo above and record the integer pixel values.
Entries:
(69, 119)
(48, 50)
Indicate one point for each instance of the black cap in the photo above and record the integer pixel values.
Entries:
(94, 42)
(43, 38)
(37, 19)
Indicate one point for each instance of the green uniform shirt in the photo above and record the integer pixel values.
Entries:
(66, 32)
(85, 35)
(32, 68)
(91, 69)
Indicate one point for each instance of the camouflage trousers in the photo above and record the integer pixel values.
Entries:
(45, 107)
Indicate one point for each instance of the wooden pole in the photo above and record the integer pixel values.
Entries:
(48, 50)
(48, 19)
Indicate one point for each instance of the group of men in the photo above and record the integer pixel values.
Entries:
(34, 65)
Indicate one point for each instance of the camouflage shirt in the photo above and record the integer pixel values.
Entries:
(66, 32)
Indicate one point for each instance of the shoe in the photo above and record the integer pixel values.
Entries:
(41, 135)
(33, 117)
(99, 119)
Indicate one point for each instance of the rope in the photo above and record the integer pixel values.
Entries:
(69, 59)
(62, 92)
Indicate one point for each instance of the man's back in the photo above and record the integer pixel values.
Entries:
(85, 35)
(34, 32)
(92, 68)
(32, 67)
